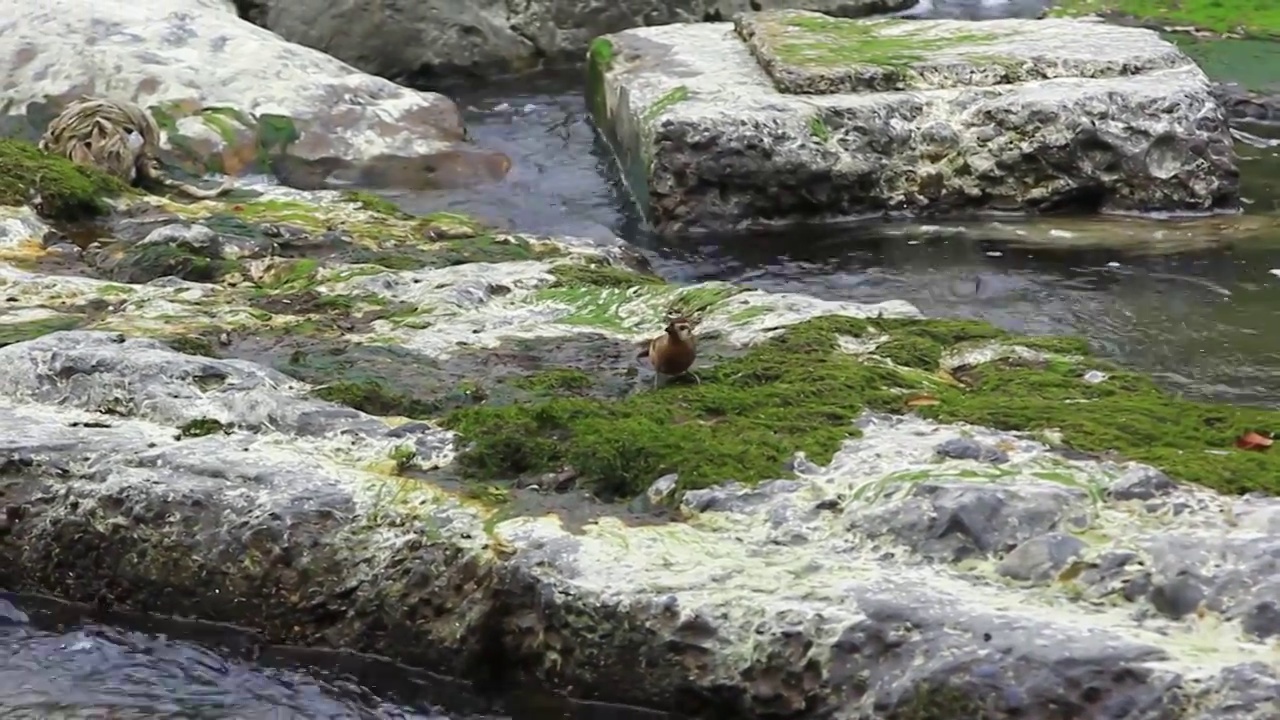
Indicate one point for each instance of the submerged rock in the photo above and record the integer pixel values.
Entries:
(430, 40)
(228, 95)
(812, 118)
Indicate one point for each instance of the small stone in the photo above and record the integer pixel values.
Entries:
(1093, 377)
(1179, 597)
(1262, 619)
(1141, 482)
(1040, 558)
(969, 449)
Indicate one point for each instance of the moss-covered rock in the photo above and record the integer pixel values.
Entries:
(66, 191)
(16, 332)
(743, 418)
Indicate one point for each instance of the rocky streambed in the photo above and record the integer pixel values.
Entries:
(307, 415)
(336, 425)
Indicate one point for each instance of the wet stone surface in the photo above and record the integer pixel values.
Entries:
(810, 125)
(290, 430)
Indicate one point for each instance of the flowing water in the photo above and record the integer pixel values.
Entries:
(1197, 305)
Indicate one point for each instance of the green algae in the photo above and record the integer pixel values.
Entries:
(11, 333)
(375, 204)
(600, 275)
(600, 56)
(201, 427)
(376, 397)
(743, 421)
(797, 391)
(818, 129)
(1252, 18)
(66, 191)
(676, 95)
(192, 345)
(820, 41)
(144, 263)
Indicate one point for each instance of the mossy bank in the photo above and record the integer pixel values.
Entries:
(1251, 18)
(61, 189)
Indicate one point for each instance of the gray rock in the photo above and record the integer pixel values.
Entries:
(1068, 121)
(967, 449)
(1243, 104)
(1141, 483)
(429, 39)
(958, 520)
(191, 57)
(1040, 558)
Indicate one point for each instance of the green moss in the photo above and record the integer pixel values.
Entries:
(222, 125)
(1127, 414)
(796, 391)
(1255, 18)
(818, 129)
(201, 427)
(677, 94)
(451, 225)
(375, 203)
(934, 701)
(558, 380)
(143, 263)
(600, 56)
(11, 333)
(600, 53)
(489, 249)
(745, 419)
(67, 191)
(836, 42)
(193, 345)
(376, 398)
(600, 275)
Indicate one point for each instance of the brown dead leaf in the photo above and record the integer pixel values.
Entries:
(1253, 441)
(922, 400)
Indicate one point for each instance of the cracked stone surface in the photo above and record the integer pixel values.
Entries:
(927, 572)
(808, 118)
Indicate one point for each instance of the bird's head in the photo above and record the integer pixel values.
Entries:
(680, 327)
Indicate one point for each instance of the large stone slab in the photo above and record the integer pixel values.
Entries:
(230, 96)
(792, 116)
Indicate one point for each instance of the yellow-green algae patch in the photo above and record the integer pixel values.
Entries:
(66, 191)
(367, 218)
(815, 40)
(1253, 18)
(799, 391)
(619, 300)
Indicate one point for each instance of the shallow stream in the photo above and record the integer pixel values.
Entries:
(1197, 304)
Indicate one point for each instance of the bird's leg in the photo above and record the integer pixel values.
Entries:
(655, 380)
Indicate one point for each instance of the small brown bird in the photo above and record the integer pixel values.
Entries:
(673, 352)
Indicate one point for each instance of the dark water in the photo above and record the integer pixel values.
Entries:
(1202, 319)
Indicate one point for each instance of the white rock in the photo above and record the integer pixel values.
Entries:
(200, 54)
(818, 119)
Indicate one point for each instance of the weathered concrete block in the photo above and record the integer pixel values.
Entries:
(795, 116)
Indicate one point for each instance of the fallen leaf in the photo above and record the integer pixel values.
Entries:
(1253, 441)
(238, 208)
(922, 400)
